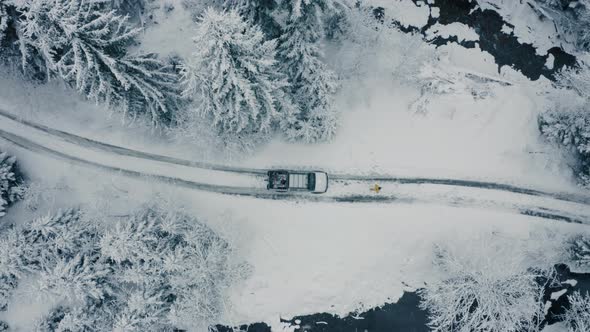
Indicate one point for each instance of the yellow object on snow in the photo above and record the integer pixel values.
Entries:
(376, 188)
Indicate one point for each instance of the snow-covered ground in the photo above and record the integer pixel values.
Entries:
(306, 257)
(319, 257)
(564, 205)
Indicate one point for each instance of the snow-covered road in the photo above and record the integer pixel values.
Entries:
(351, 188)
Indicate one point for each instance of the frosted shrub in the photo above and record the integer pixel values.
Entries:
(487, 288)
(11, 182)
(577, 316)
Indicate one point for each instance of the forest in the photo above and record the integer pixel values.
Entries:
(260, 71)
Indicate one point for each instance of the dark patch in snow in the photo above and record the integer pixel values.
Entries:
(505, 48)
(256, 327)
(564, 276)
(405, 315)
(549, 215)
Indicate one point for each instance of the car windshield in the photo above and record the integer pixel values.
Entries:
(311, 181)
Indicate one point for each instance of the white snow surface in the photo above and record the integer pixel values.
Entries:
(559, 327)
(571, 282)
(172, 32)
(556, 295)
(306, 257)
(459, 30)
(318, 257)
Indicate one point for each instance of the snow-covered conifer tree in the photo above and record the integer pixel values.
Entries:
(259, 12)
(76, 320)
(11, 182)
(144, 311)
(75, 279)
(313, 84)
(132, 277)
(84, 42)
(13, 262)
(129, 241)
(4, 18)
(233, 76)
(134, 8)
(63, 234)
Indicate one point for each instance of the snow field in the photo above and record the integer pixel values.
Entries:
(303, 254)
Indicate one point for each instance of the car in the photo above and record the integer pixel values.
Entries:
(284, 181)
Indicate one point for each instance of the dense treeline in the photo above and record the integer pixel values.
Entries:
(251, 74)
(156, 270)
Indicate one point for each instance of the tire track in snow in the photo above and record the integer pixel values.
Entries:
(86, 142)
(228, 190)
(262, 193)
(29, 145)
(574, 198)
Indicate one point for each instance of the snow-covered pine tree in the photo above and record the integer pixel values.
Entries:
(7, 285)
(84, 42)
(143, 311)
(170, 261)
(233, 76)
(13, 262)
(4, 18)
(76, 279)
(64, 234)
(50, 322)
(77, 320)
(258, 12)
(130, 241)
(11, 182)
(134, 8)
(313, 84)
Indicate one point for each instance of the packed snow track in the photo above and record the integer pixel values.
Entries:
(241, 181)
